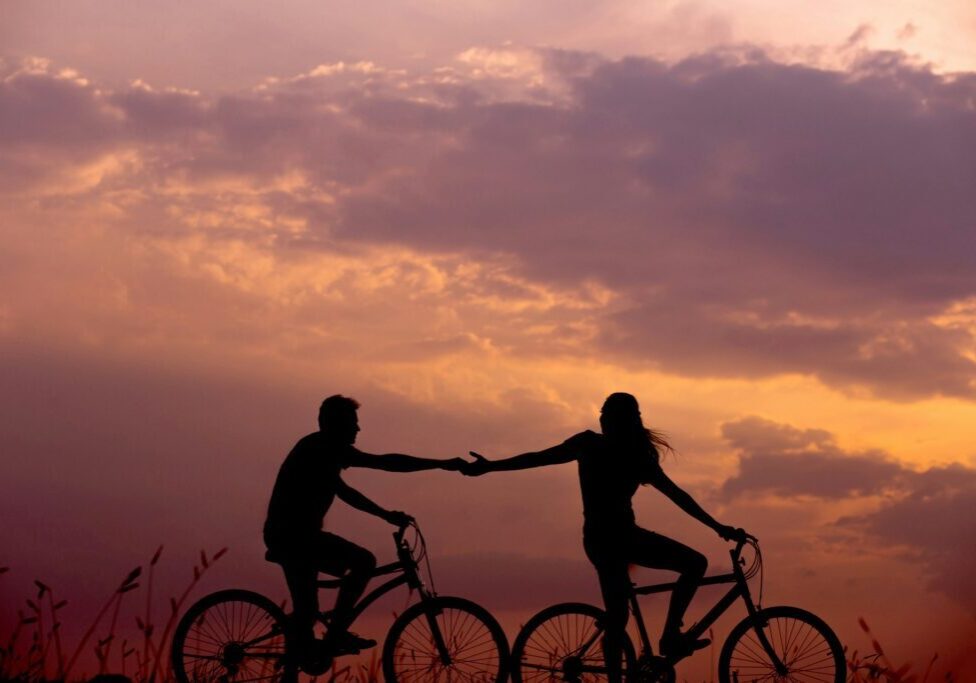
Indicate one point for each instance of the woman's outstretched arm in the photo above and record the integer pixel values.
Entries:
(556, 455)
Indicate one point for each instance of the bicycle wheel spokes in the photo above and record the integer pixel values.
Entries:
(564, 643)
(472, 642)
(806, 647)
(230, 636)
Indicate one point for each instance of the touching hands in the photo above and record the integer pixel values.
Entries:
(475, 469)
(454, 464)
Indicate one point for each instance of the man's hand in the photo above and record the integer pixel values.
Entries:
(731, 533)
(397, 518)
(454, 464)
(475, 469)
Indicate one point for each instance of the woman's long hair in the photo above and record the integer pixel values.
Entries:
(621, 422)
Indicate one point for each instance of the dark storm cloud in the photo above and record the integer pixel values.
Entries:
(926, 515)
(753, 218)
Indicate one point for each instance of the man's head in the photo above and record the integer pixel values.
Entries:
(338, 418)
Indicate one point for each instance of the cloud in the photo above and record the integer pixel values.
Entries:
(926, 515)
(784, 461)
(932, 523)
(741, 217)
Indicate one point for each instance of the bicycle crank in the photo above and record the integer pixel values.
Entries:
(651, 669)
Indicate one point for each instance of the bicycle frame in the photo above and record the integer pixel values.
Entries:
(698, 629)
(407, 569)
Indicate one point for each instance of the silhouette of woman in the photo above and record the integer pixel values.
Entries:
(611, 467)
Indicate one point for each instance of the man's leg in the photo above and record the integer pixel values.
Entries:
(339, 557)
(301, 575)
(653, 550)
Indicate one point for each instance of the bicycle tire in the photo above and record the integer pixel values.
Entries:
(474, 639)
(546, 648)
(802, 640)
(231, 635)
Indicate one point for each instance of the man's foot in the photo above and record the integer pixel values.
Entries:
(346, 642)
(680, 645)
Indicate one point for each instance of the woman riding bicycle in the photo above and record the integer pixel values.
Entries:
(611, 467)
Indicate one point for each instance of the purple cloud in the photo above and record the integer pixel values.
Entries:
(751, 218)
(926, 515)
(785, 461)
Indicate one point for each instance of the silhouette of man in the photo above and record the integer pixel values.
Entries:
(307, 483)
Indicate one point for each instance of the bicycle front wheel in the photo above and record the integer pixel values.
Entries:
(805, 645)
(565, 643)
(445, 640)
(231, 635)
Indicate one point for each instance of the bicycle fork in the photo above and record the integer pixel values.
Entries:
(759, 624)
(759, 627)
(432, 612)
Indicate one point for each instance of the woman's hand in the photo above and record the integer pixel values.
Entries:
(475, 469)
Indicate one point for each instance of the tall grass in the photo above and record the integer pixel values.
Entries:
(34, 650)
(875, 667)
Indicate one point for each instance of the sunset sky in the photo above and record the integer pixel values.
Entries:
(480, 218)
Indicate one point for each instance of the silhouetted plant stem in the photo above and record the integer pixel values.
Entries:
(110, 638)
(56, 631)
(127, 585)
(175, 606)
(39, 647)
(147, 625)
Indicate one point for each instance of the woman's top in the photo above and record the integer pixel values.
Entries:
(609, 477)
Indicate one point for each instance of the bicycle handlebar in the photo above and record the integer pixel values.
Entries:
(746, 539)
(401, 531)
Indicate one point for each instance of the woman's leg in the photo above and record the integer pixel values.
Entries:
(615, 586)
(649, 549)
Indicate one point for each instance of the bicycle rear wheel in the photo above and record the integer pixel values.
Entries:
(231, 635)
(564, 643)
(802, 641)
(445, 640)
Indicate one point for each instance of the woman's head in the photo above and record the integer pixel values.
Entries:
(620, 416)
(620, 421)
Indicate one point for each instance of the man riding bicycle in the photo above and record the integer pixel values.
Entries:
(307, 483)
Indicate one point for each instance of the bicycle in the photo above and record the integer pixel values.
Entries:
(563, 642)
(240, 635)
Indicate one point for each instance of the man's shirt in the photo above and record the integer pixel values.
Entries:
(305, 488)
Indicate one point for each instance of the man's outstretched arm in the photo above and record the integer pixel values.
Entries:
(398, 462)
(354, 498)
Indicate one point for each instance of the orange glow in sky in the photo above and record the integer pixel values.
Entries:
(479, 220)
